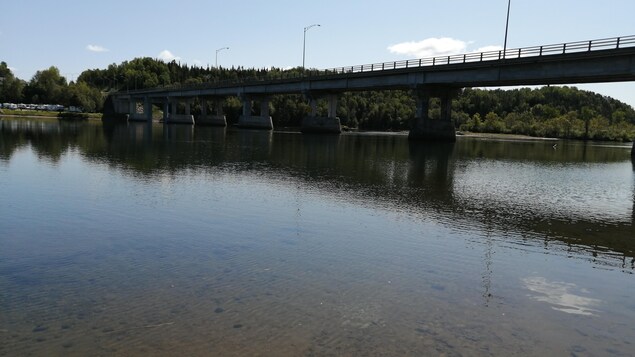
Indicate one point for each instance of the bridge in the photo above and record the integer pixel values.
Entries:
(601, 60)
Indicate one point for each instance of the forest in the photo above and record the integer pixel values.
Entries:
(557, 111)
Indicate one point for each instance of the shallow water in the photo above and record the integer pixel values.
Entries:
(137, 239)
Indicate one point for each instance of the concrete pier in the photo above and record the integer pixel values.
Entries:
(262, 121)
(180, 119)
(255, 122)
(326, 125)
(175, 118)
(134, 115)
(425, 128)
(317, 124)
(216, 119)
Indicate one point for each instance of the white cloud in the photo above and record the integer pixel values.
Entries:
(96, 48)
(430, 47)
(488, 49)
(168, 56)
(433, 47)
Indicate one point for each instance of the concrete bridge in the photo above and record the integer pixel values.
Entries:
(603, 60)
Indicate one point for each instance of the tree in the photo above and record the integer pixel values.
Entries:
(11, 88)
(47, 86)
(80, 94)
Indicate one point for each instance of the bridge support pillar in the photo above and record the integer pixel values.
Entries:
(425, 128)
(166, 110)
(175, 118)
(316, 124)
(121, 106)
(216, 119)
(188, 107)
(262, 121)
(132, 109)
(147, 109)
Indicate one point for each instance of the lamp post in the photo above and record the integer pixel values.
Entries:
(218, 50)
(509, 2)
(304, 42)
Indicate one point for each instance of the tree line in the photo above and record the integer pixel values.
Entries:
(563, 112)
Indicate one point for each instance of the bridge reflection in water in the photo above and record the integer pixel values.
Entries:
(502, 186)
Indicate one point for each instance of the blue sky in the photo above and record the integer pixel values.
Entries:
(75, 35)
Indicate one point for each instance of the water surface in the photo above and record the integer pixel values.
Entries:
(145, 239)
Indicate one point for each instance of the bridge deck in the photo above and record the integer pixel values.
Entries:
(605, 60)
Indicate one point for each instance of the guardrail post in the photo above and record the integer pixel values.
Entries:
(372, 67)
(407, 62)
(618, 43)
(394, 65)
(448, 59)
(419, 62)
(382, 66)
(434, 60)
(464, 58)
(540, 54)
(499, 54)
(564, 48)
(362, 69)
(519, 52)
(590, 45)
(481, 56)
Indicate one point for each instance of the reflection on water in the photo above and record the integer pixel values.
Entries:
(162, 240)
(560, 295)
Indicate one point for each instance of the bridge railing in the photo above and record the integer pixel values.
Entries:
(535, 51)
(474, 57)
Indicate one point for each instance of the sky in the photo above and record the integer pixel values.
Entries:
(75, 35)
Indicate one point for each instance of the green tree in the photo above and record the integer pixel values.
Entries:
(82, 95)
(47, 86)
(11, 88)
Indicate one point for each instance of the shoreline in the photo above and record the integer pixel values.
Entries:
(499, 136)
(459, 134)
(91, 116)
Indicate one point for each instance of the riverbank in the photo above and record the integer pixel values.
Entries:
(495, 136)
(49, 115)
(460, 134)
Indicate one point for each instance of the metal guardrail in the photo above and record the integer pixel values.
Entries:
(536, 51)
(474, 57)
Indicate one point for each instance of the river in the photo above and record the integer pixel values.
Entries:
(177, 240)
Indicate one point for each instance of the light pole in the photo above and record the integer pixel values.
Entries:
(509, 2)
(218, 50)
(304, 42)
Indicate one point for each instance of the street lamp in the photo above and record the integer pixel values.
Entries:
(304, 42)
(218, 50)
(509, 2)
